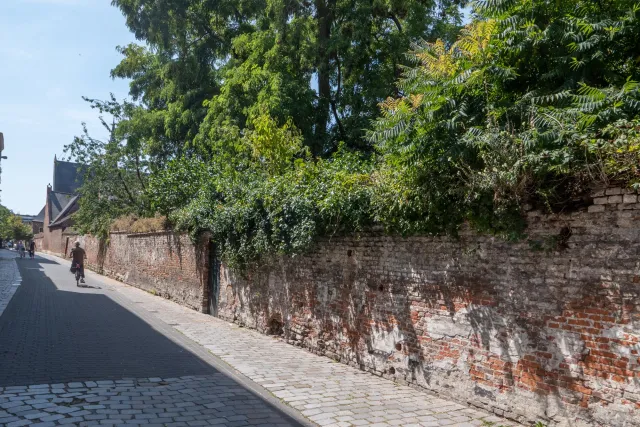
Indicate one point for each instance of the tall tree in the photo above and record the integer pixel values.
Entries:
(117, 169)
(325, 64)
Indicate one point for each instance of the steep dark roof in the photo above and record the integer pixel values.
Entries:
(64, 221)
(40, 216)
(67, 176)
(66, 211)
(57, 202)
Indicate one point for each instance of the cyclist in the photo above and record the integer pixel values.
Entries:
(78, 254)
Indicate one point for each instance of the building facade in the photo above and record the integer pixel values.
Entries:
(54, 222)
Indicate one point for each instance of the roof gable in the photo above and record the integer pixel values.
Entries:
(57, 202)
(66, 211)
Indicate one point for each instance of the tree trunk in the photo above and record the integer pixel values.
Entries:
(325, 20)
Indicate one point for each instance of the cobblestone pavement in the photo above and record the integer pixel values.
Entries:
(9, 278)
(326, 392)
(188, 401)
(88, 356)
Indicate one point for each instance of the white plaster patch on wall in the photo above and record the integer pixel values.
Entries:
(513, 347)
(450, 326)
(626, 351)
(498, 334)
(385, 341)
(621, 331)
(569, 346)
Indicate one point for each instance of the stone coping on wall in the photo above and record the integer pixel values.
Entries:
(621, 198)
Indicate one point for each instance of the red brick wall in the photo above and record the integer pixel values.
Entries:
(57, 241)
(165, 264)
(38, 239)
(544, 329)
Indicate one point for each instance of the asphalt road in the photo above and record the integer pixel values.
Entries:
(53, 331)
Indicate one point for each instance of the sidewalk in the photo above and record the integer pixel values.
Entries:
(9, 278)
(326, 392)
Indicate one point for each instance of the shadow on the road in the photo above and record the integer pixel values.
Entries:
(51, 335)
(85, 286)
(37, 259)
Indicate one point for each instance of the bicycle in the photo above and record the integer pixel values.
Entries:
(77, 270)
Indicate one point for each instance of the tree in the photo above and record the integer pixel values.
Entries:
(532, 103)
(529, 105)
(12, 227)
(255, 54)
(116, 177)
(169, 96)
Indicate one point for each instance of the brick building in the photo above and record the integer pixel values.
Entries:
(61, 202)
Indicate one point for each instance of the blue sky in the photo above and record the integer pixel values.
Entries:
(52, 52)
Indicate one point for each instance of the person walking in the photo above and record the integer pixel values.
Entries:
(32, 249)
(21, 249)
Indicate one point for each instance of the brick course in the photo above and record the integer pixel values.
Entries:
(547, 328)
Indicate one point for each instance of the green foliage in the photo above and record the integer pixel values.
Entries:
(534, 103)
(271, 198)
(116, 175)
(255, 55)
(170, 98)
(617, 150)
(11, 226)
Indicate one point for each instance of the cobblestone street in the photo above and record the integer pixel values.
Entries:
(112, 354)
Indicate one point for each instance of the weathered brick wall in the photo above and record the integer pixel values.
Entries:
(57, 241)
(544, 329)
(165, 264)
(38, 239)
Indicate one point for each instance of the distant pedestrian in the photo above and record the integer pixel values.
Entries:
(32, 249)
(21, 249)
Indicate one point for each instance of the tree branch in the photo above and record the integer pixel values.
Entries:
(138, 172)
(126, 188)
(335, 115)
(339, 76)
(396, 20)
